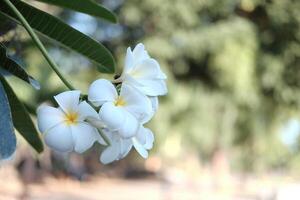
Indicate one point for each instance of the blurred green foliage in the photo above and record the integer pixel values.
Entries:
(233, 67)
(233, 71)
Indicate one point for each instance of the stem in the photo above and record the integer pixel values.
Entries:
(106, 140)
(99, 125)
(118, 80)
(38, 43)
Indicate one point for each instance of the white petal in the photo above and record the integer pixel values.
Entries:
(154, 105)
(116, 139)
(129, 60)
(68, 100)
(85, 110)
(119, 147)
(141, 136)
(139, 52)
(59, 138)
(48, 117)
(145, 137)
(139, 148)
(153, 87)
(100, 139)
(108, 133)
(130, 126)
(126, 145)
(135, 102)
(114, 117)
(149, 139)
(147, 69)
(110, 154)
(102, 91)
(162, 75)
(127, 79)
(84, 136)
(96, 122)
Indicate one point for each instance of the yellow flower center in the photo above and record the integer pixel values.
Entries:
(120, 102)
(71, 118)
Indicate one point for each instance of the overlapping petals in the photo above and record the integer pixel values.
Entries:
(120, 147)
(64, 128)
(143, 72)
(117, 117)
(120, 112)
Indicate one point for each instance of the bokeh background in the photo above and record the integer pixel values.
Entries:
(228, 128)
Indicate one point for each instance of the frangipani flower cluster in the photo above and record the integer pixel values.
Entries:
(114, 114)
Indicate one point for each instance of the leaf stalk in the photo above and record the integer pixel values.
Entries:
(38, 43)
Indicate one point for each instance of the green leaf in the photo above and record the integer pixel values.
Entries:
(64, 34)
(6, 26)
(7, 135)
(14, 68)
(21, 119)
(85, 6)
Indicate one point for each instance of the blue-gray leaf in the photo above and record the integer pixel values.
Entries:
(21, 119)
(7, 135)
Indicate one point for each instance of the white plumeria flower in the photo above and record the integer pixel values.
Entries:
(64, 128)
(120, 113)
(143, 72)
(143, 141)
(154, 106)
(120, 147)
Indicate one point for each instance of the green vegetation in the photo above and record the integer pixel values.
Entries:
(233, 71)
(14, 114)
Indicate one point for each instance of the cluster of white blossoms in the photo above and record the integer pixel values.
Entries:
(113, 115)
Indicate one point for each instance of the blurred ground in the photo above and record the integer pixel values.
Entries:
(173, 184)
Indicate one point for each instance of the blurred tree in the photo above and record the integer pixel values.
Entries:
(233, 72)
(233, 67)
